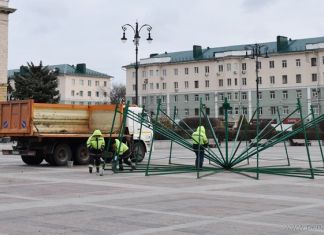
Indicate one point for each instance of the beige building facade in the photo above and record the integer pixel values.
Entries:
(295, 68)
(4, 19)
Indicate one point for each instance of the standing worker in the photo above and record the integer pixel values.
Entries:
(95, 145)
(123, 154)
(199, 142)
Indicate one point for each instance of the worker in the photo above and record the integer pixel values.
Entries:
(123, 154)
(199, 142)
(95, 145)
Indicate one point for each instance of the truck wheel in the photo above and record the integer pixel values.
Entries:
(32, 160)
(62, 154)
(139, 151)
(81, 155)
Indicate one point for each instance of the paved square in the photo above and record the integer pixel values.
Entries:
(53, 200)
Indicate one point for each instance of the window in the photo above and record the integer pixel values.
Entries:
(81, 82)
(187, 112)
(285, 110)
(236, 95)
(89, 93)
(144, 74)
(299, 94)
(260, 95)
(176, 111)
(196, 84)
(105, 94)
(271, 64)
(157, 85)
(73, 81)
(97, 93)
(196, 97)
(206, 69)
(313, 62)
(220, 68)
(273, 110)
(196, 70)
(80, 93)
(105, 83)
(272, 95)
(207, 111)
(151, 85)
(157, 72)
(229, 96)
(314, 77)
(260, 110)
(186, 84)
(72, 93)
(298, 62)
(260, 80)
(314, 93)
(244, 81)
(176, 85)
(175, 98)
(316, 109)
(96, 83)
(245, 110)
(285, 95)
(151, 99)
(164, 85)
(272, 80)
(228, 67)
(133, 74)
(144, 99)
(235, 81)
(176, 72)
(298, 78)
(206, 83)
(164, 72)
(220, 82)
(236, 110)
(144, 87)
(207, 97)
(243, 66)
(284, 79)
(186, 71)
(229, 82)
(284, 63)
(244, 96)
(221, 96)
(196, 112)
(134, 87)
(259, 65)
(151, 73)
(186, 98)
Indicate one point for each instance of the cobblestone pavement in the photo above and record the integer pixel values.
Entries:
(53, 200)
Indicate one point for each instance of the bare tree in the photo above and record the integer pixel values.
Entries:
(118, 92)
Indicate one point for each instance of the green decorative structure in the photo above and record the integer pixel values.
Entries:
(232, 159)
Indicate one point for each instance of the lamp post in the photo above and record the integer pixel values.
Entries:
(255, 53)
(136, 40)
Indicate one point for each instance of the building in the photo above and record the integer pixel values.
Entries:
(79, 84)
(4, 18)
(295, 68)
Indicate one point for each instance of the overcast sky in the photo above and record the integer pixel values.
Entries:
(89, 31)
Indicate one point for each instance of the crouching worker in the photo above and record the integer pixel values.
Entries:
(95, 145)
(199, 142)
(123, 154)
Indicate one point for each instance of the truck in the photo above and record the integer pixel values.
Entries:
(57, 133)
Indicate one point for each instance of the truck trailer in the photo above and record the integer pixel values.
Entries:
(58, 133)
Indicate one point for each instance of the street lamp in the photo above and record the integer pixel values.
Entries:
(136, 40)
(255, 52)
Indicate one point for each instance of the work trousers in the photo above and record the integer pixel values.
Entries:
(199, 155)
(124, 158)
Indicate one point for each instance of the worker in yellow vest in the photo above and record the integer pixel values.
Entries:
(95, 145)
(123, 154)
(200, 141)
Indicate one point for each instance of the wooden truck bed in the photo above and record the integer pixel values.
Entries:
(26, 118)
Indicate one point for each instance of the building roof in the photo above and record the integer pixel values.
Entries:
(282, 45)
(66, 69)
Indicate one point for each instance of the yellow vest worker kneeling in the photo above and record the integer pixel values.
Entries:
(123, 154)
(95, 145)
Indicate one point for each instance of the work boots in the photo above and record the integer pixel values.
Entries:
(90, 168)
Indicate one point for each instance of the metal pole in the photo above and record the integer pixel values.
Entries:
(257, 104)
(136, 64)
(284, 140)
(174, 115)
(317, 133)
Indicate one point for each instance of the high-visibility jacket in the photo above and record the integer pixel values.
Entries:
(122, 149)
(199, 136)
(96, 141)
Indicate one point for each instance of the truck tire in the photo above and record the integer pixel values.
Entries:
(81, 156)
(32, 160)
(62, 154)
(139, 151)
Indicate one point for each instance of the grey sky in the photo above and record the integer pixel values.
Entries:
(89, 31)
